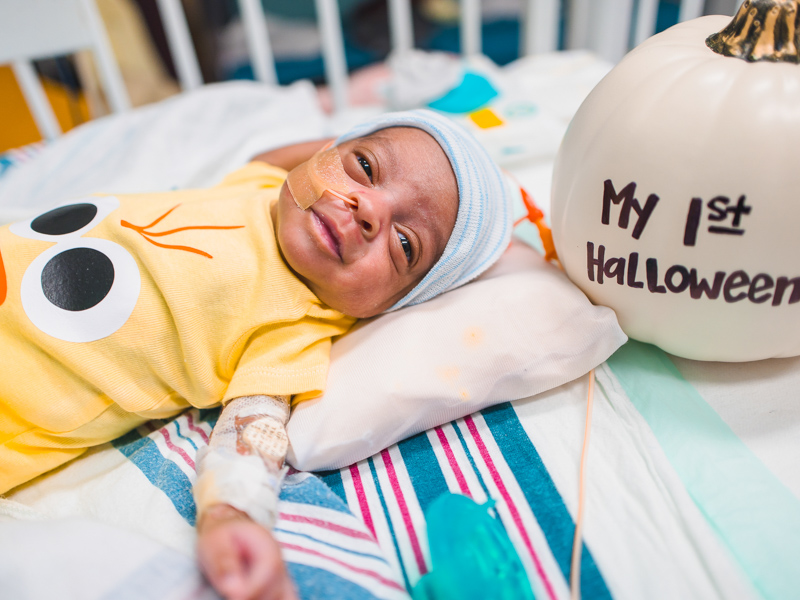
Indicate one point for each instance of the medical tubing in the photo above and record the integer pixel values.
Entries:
(575, 566)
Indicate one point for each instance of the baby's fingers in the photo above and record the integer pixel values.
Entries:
(222, 563)
(243, 562)
(265, 576)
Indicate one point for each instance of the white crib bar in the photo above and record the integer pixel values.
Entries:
(690, 9)
(578, 23)
(113, 84)
(35, 29)
(330, 27)
(255, 25)
(540, 23)
(470, 27)
(401, 26)
(611, 28)
(37, 99)
(646, 16)
(180, 44)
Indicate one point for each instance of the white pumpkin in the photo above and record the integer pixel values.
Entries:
(676, 191)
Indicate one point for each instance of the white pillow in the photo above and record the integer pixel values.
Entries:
(520, 329)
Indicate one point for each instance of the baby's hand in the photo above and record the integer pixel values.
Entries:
(240, 558)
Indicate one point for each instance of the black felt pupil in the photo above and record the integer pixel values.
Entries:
(77, 279)
(64, 219)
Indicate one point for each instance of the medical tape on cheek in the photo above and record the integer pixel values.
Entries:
(322, 172)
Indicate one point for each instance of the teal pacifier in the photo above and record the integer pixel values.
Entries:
(471, 555)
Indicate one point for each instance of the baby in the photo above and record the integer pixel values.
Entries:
(115, 310)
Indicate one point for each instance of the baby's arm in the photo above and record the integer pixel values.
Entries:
(288, 157)
(236, 492)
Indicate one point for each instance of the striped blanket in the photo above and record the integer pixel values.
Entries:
(18, 156)
(682, 501)
(364, 527)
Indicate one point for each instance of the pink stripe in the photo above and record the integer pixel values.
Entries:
(361, 535)
(509, 503)
(195, 428)
(451, 458)
(176, 449)
(378, 577)
(362, 499)
(401, 504)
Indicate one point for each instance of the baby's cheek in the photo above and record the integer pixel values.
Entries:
(322, 172)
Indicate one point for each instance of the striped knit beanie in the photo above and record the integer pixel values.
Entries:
(483, 223)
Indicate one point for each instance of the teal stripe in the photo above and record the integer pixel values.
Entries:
(755, 515)
(423, 469)
(471, 458)
(388, 516)
(160, 471)
(542, 496)
(333, 479)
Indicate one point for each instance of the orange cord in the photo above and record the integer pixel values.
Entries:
(351, 202)
(536, 216)
(575, 566)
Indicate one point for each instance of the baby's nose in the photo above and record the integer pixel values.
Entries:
(367, 227)
(351, 202)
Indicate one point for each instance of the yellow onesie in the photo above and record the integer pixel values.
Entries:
(118, 309)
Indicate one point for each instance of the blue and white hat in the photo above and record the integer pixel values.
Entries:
(484, 220)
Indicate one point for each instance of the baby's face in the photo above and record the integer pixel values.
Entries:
(362, 257)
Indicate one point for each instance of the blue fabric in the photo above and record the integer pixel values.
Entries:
(161, 472)
(5, 163)
(542, 496)
(388, 517)
(423, 469)
(484, 220)
(333, 479)
(318, 583)
(474, 92)
(313, 491)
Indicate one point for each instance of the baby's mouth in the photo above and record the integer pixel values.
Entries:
(329, 234)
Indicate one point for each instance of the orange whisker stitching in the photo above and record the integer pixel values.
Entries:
(171, 231)
(148, 234)
(161, 218)
(186, 248)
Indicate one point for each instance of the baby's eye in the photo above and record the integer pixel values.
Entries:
(366, 166)
(406, 245)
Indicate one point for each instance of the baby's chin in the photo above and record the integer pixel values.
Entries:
(360, 308)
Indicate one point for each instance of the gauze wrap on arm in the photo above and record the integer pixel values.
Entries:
(243, 463)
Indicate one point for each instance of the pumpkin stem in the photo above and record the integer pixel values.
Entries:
(761, 30)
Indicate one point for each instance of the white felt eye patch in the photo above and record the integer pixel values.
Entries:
(322, 172)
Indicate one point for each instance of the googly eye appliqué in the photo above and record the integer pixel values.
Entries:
(83, 288)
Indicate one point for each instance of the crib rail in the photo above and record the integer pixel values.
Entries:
(607, 27)
(31, 29)
(34, 29)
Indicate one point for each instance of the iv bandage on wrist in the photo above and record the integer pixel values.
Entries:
(243, 464)
(243, 482)
(323, 171)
